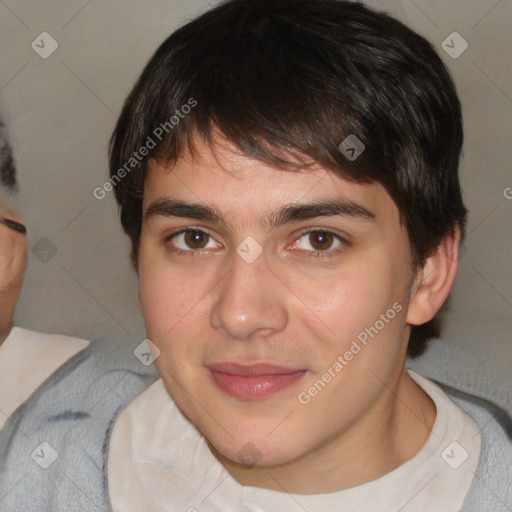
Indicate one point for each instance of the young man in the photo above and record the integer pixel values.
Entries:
(54, 389)
(287, 171)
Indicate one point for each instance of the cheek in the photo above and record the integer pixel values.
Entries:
(359, 321)
(173, 307)
(348, 301)
(357, 363)
(166, 296)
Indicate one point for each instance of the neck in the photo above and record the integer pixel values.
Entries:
(388, 434)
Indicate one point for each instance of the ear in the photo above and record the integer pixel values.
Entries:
(434, 280)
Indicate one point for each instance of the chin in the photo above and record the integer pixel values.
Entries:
(253, 447)
(252, 454)
(241, 434)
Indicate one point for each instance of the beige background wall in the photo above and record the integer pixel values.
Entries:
(62, 109)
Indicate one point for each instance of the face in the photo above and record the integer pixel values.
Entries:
(252, 307)
(13, 260)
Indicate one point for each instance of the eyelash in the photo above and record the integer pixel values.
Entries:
(312, 254)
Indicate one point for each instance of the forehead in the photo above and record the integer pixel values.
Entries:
(239, 185)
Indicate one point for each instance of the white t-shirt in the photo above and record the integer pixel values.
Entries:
(159, 462)
(27, 359)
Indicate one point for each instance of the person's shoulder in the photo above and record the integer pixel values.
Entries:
(84, 368)
(103, 360)
(492, 487)
(62, 428)
(486, 399)
(47, 338)
(98, 380)
(462, 369)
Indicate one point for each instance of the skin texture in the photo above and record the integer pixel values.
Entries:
(209, 305)
(13, 260)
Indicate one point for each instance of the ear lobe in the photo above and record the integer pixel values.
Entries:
(434, 280)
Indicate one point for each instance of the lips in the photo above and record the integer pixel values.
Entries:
(254, 381)
(252, 369)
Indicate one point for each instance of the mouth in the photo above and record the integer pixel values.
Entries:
(254, 381)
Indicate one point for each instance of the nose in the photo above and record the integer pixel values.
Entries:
(250, 301)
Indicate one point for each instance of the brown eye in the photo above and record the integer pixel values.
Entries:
(191, 241)
(196, 239)
(321, 240)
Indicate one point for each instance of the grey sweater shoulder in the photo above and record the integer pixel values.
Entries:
(52, 448)
(491, 490)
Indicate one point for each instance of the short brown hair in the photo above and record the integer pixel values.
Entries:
(288, 79)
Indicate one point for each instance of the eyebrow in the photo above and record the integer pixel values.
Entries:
(15, 226)
(168, 207)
